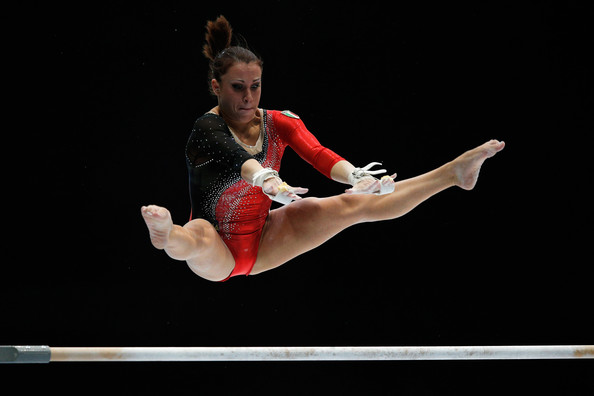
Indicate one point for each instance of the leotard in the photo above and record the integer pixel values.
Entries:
(219, 195)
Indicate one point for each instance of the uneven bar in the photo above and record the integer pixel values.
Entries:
(45, 354)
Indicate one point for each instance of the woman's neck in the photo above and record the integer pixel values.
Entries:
(242, 130)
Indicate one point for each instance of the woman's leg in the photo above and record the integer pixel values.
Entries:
(197, 243)
(303, 225)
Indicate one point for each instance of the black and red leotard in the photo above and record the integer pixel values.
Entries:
(218, 193)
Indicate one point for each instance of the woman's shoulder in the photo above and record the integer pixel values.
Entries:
(287, 114)
(285, 121)
(209, 121)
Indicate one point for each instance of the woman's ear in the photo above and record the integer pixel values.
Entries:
(215, 86)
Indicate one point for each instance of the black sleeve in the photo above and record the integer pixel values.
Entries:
(211, 140)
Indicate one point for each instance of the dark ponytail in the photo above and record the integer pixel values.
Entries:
(220, 53)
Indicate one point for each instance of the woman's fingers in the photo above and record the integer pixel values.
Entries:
(367, 186)
(373, 186)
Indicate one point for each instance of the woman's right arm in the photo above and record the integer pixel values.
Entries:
(271, 182)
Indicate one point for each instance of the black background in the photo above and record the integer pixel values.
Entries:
(102, 97)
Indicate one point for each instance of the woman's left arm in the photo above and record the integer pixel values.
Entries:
(327, 162)
(341, 170)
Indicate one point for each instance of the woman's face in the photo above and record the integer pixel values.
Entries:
(239, 91)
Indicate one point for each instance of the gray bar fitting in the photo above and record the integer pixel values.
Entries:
(25, 354)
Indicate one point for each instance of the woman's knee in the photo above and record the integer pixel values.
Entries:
(339, 208)
(354, 208)
(303, 210)
(210, 258)
(199, 226)
(201, 231)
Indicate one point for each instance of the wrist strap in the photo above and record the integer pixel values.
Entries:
(261, 175)
(359, 174)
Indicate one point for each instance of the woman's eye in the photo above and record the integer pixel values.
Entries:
(255, 86)
(237, 87)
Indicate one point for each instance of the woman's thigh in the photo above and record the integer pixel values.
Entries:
(213, 260)
(304, 225)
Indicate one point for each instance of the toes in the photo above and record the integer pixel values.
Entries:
(492, 147)
(496, 144)
(154, 213)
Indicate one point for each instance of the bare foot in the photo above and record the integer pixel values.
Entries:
(468, 165)
(159, 223)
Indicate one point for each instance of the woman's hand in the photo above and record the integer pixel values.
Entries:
(371, 185)
(281, 191)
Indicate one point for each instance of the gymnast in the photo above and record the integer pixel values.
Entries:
(233, 157)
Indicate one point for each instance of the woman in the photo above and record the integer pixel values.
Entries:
(233, 157)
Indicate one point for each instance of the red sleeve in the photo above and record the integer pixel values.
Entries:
(293, 131)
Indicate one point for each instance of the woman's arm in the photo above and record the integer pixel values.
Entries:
(249, 169)
(341, 170)
(272, 185)
(326, 161)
